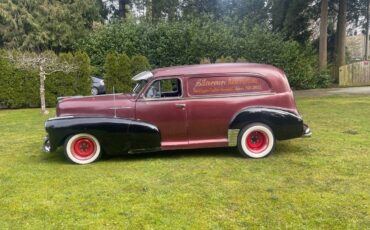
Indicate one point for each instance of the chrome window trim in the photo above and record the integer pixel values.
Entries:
(146, 75)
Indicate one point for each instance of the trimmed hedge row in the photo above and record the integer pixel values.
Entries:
(187, 42)
(20, 88)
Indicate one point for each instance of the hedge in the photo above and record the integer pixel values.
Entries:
(20, 88)
(187, 42)
(119, 69)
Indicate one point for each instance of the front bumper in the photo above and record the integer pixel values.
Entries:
(46, 147)
(306, 131)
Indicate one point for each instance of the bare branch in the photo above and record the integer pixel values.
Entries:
(48, 60)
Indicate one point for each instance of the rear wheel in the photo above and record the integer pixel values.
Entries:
(256, 140)
(82, 148)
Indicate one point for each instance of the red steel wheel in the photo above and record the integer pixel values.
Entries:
(82, 148)
(256, 140)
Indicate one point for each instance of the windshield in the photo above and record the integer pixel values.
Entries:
(139, 86)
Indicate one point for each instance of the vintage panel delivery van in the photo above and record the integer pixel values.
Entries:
(249, 106)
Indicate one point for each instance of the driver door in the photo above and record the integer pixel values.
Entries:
(162, 105)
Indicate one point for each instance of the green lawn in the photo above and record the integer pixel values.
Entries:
(319, 182)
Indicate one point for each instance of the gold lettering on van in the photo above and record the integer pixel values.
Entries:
(205, 82)
(243, 81)
(227, 85)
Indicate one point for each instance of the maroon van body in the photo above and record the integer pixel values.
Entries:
(200, 106)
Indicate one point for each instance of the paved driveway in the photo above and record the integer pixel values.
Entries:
(333, 91)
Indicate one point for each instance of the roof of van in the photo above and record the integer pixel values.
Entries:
(262, 69)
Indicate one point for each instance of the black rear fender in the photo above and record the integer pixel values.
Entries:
(284, 124)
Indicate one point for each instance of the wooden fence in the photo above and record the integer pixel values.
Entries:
(355, 74)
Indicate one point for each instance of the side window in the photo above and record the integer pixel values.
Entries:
(164, 88)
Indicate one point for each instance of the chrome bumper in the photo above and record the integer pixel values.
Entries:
(306, 131)
(46, 146)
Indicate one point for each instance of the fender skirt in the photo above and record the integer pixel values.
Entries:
(115, 135)
(284, 124)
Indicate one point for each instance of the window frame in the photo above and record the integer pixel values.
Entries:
(145, 91)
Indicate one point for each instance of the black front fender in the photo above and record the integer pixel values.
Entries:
(284, 124)
(115, 135)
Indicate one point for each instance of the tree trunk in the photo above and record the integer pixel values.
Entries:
(341, 33)
(42, 90)
(122, 11)
(155, 11)
(148, 9)
(323, 35)
(367, 31)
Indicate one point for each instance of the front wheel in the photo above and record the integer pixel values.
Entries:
(94, 91)
(82, 148)
(256, 140)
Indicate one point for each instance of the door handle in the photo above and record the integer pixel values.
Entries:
(181, 105)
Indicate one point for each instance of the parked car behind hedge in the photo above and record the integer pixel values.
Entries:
(98, 86)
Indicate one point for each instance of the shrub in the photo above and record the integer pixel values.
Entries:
(205, 61)
(223, 59)
(298, 62)
(323, 78)
(187, 42)
(119, 70)
(20, 88)
(241, 60)
(82, 76)
(139, 63)
(75, 83)
(117, 73)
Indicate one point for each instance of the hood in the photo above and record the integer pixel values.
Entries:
(121, 105)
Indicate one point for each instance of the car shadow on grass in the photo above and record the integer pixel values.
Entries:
(58, 156)
(178, 154)
(286, 148)
(281, 149)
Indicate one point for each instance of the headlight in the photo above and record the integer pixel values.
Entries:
(102, 82)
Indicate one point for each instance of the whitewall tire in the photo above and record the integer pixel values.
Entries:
(82, 148)
(256, 140)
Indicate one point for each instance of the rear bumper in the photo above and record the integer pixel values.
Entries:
(306, 131)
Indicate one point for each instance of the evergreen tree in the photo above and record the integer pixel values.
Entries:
(291, 18)
(139, 63)
(117, 73)
(39, 24)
